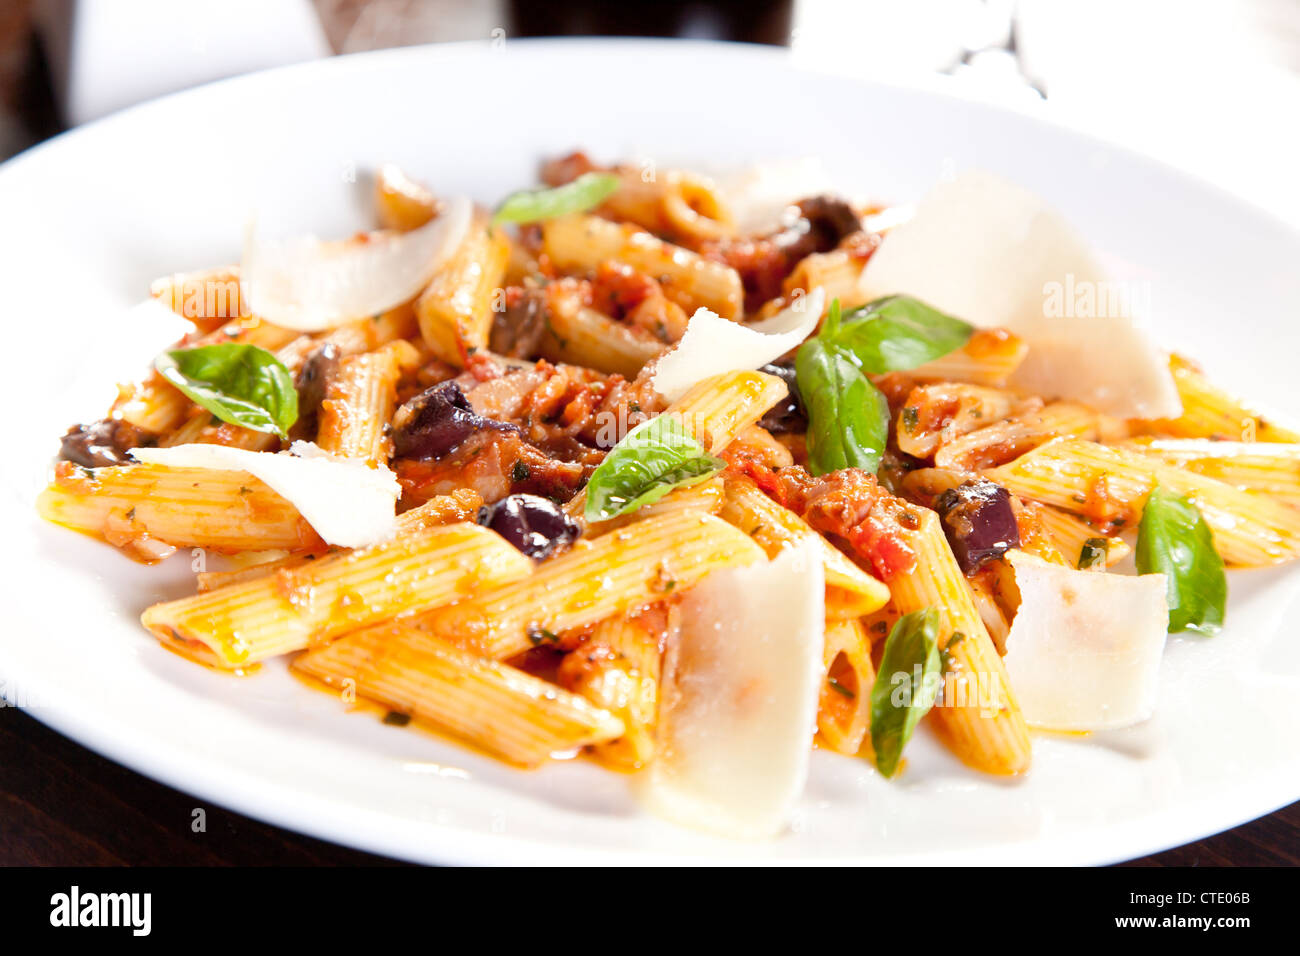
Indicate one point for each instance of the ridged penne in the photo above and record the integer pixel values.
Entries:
(582, 336)
(455, 310)
(939, 414)
(207, 297)
(681, 206)
(360, 400)
(1271, 468)
(1110, 485)
(989, 358)
(976, 714)
(1070, 533)
(835, 272)
(1007, 439)
(618, 670)
(225, 511)
(462, 504)
(401, 203)
(1211, 412)
(850, 591)
(639, 564)
(505, 711)
(579, 244)
(844, 708)
(293, 608)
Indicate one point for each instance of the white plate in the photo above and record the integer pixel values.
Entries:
(91, 218)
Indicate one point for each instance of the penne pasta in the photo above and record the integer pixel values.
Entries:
(618, 670)
(225, 511)
(360, 400)
(579, 244)
(1271, 468)
(844, 707)
(455, 310)
(835, 272)
(293, 608)
(1070, 533)
(1110, 485)
(850, 591)
(583, 336)
(989, 358)
(644, 562)
(937, 415)
(401, 203)
(976, 714)
(1000, 442)
(505, 711)
(1211, 412)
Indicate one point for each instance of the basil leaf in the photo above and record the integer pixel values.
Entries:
(240, 384)
(848, 417)
(1174, 539)
(898, 332)
(906, 685)
(651, 460)
(588, 190)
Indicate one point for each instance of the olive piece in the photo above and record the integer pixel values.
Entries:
(978, 519)
(787, 415)
(436, 421)
(536, 526)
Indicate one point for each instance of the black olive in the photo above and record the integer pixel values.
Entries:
(979, 522)
(536, 526)
(312, 383)
(436, 421)
(103, 444)
(787, 415)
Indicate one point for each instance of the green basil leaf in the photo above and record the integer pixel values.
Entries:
(848, 417)
(651, 460)
(536, 205)
(1174, 539)
(898, 333)
(911, 672)
(240, 384)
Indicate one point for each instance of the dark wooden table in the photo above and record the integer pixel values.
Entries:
(61, 804)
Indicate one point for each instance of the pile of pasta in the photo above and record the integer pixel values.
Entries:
(545, 327)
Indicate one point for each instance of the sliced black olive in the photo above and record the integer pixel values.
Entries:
(103, 443)
(436, 421)
(787, 415)
(312, 383)
(979, 522)
(536, 526)
(517, 330)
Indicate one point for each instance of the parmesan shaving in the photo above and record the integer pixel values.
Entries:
(739, 703)
(1084, 650)
(309, 285)
(996, 255)
(713, 345)
(349, 503)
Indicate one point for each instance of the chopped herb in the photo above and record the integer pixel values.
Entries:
(520, 472)
(840, 688)
(538, 635)
(1093, 554)
(911, 417)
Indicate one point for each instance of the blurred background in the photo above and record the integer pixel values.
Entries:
(1213, 85)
